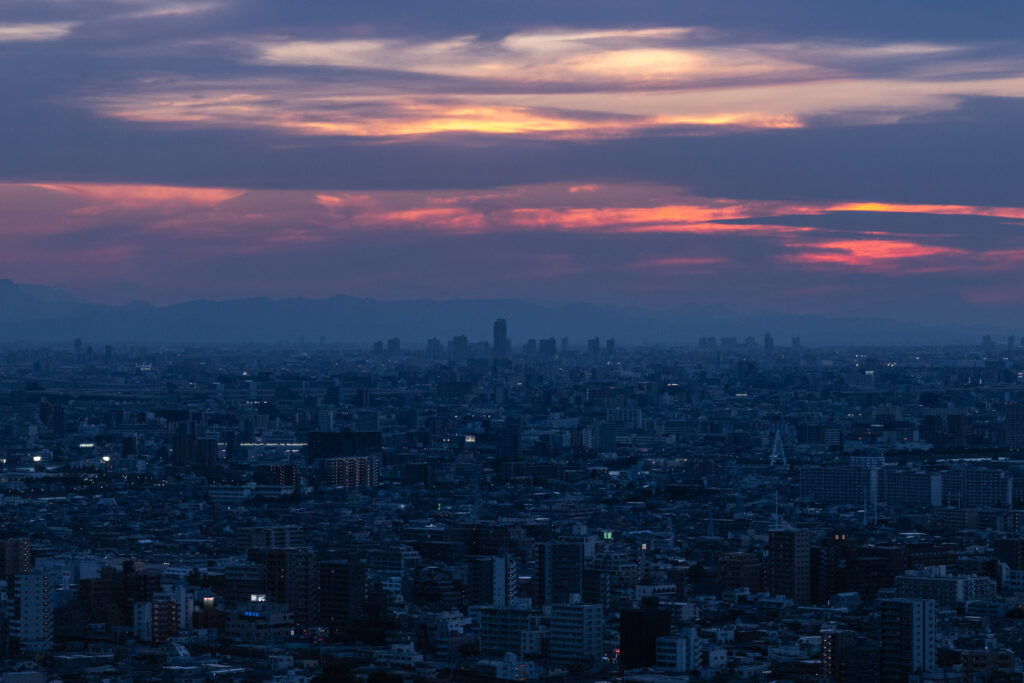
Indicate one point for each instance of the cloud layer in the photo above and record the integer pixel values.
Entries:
(801, 159)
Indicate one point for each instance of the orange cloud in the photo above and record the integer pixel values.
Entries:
(336, 201)
(867, 252)
(140, 196)
(939, 209)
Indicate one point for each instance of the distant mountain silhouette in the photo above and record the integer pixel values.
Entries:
(33, 313)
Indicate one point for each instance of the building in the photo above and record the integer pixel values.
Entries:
(908, 643)
(30, 607)
(156, 621)
(515, 628)
(973, 487)
(934, 583)
(848, 658)
(492, 580)
(16, 557)
(678, 653)
(1015, 426)
(559, 572)
(342, 594)
(350, 473)
(741, 570)
(910, 488)
(639, 631)
(789, 565)
(501, 342)
(290, 578)
(839, 485)
(576, 634)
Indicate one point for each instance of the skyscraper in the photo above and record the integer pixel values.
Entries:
(501, 342)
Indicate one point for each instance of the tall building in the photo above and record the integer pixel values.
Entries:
(342, 594)
(576, 634)
(789, 565)
(559, 572)
(501, 341)
(506, 440)
(908, 639)
(156, 621)
(290, 577)
(30, 606)
(769, 343)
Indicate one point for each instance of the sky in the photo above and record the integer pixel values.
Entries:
(796, 157)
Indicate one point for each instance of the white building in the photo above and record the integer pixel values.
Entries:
(30, 611)
(678, 652)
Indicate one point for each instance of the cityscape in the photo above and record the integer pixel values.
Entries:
(470, 341)
(479, 509)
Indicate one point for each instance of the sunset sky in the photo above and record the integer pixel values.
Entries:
(800, 157)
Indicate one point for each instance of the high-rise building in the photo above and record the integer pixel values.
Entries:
(908, 639)
(789, 565)
(30, 606)
(342, 594)
(769, 343)
(501, 341)
(290, 577)
(156, 621)
(506, 440)
(559, 571)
